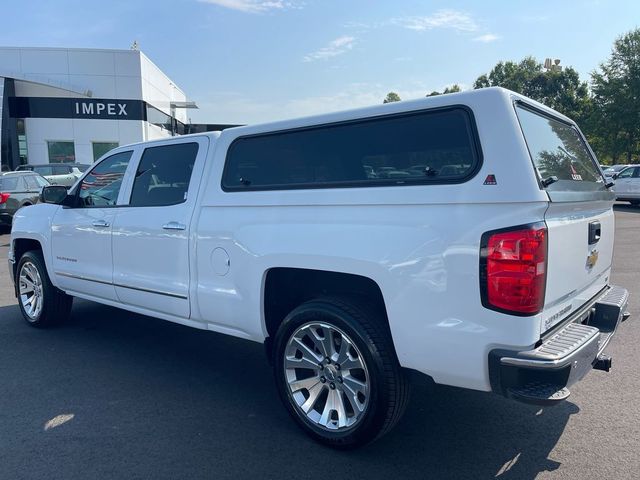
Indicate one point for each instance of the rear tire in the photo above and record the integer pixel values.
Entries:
(337, 373)
(41, 303)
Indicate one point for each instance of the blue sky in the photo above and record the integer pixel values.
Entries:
(247, 61)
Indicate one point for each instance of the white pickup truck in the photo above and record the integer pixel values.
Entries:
(468, 237)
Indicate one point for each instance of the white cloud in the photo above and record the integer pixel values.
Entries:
(487, 38)
(238, 108)
(253, 6)
(452, 19)
(336, 47)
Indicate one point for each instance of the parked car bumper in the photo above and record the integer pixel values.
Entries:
(542, 375)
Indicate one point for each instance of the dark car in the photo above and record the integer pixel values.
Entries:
(18, 189)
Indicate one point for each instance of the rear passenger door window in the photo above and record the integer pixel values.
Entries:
(163, 175)
(32, 184)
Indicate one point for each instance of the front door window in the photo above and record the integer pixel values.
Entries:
(100, 188)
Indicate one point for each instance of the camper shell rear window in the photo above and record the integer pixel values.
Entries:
(560, 155)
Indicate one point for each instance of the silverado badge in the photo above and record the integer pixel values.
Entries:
(592, 259)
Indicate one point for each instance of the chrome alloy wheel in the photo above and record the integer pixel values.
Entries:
(326, 376)
(30, 289)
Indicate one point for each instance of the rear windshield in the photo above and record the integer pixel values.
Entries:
(557, 150)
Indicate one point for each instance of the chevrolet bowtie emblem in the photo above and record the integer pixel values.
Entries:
(592, 259)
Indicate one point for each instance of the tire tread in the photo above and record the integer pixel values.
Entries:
(375, 331)
(57, 304)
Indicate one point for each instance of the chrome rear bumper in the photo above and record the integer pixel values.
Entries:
(542, 375)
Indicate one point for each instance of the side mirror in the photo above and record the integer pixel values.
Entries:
(614, 176)
(53, 194)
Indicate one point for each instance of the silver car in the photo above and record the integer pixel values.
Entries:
(627, 186)
(58, 173)
(611, 170)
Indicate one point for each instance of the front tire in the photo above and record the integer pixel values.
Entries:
(40, 302)
(337, 373)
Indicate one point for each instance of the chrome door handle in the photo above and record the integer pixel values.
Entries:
(101, 223)
(174, 226)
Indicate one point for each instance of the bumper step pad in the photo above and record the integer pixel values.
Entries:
(538, 393)
(543, 375)
(570, 339)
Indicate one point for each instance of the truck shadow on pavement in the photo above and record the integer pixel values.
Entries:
(142, 398)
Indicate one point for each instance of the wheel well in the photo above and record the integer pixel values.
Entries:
(286, 288)
(21, 246)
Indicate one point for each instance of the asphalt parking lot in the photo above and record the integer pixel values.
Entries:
(117, 395)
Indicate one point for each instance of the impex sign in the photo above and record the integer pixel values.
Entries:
(91, 108)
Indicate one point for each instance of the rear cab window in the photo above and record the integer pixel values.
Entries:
(566, 168)
(434, 146)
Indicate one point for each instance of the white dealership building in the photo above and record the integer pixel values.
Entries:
(73, 105)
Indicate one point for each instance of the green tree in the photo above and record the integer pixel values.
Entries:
(616, 98)
(560, 89)
(392, 97)
(455, 88)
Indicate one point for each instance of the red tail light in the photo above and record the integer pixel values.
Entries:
(4, 197)
(513, 269)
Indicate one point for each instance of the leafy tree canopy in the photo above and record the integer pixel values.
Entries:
(392, 97)
(455, 88)
(616, 98)
(560, 89)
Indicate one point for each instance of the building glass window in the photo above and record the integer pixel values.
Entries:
(22, 141)
(100, 148)
(61, 152)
